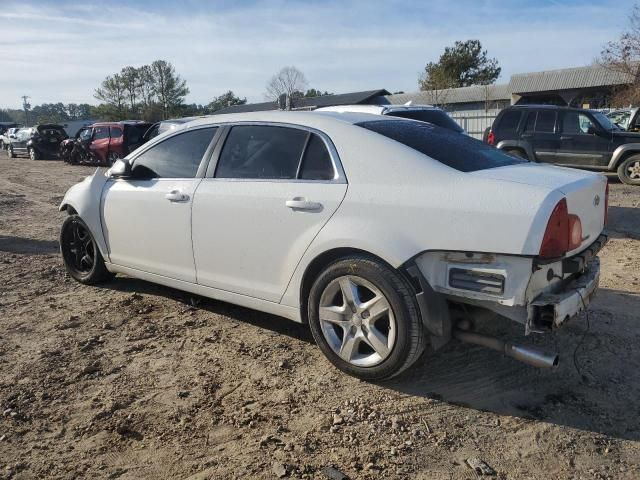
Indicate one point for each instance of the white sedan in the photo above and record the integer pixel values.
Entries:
(383, 234)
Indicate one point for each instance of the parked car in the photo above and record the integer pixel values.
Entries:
(75, 150)
(41, 141)
(424, 113)
(381, 233)
(165, 126)
(113, 140)
(626, 118)
(566, 136)
(7, 132)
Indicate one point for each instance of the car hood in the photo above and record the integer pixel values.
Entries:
(630, 136)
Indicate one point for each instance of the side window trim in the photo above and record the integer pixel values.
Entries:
(302, 154)
(340, 176)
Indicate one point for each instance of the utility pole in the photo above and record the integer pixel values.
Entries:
(26, 105)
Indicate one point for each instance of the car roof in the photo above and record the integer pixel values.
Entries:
(377, 109)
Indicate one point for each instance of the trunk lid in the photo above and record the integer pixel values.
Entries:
(585, 192)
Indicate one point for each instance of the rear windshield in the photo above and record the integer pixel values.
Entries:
(457, 151)
(437, 117)
(136, 132)
(54, 131)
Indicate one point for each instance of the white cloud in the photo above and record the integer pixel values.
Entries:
(54, 53)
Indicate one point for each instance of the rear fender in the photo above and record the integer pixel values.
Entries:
(84, 198)
(526, 147)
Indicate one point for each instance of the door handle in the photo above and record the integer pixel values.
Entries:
(565, 137)
(299, 203)
(176, 196)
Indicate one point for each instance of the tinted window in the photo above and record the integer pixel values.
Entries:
(546, 121)
(116, 132)
(100, 133)
(84, 134)
(136, 132)
(437, 117)
(261, 152)
(316, 163)
(175, 157)
(531, 123)
(576, 123)
(509, 122)
(454, 150)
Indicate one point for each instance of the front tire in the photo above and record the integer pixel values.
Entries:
(629, 170)
(80, 254)
(364, 317)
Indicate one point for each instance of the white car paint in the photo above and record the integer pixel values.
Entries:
(237, 241)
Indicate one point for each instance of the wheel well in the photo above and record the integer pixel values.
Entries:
(624, 156)
(69, 209)
(516, 149)
(320, 263)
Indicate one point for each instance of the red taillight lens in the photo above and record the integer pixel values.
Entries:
(491, 138)
(555, 242)
(606, 204)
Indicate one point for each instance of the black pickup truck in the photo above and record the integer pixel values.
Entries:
(571, 137)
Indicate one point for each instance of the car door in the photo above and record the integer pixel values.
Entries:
(147, 217)
(99, 146)
(582, 142)
(273, 189)
(541, 132)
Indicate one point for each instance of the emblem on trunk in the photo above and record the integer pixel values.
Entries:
(596, 200)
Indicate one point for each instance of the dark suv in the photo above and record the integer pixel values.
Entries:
(41, 141)
(572, 137)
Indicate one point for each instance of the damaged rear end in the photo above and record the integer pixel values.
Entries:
(552, 280)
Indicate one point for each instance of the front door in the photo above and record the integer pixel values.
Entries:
(582, 142)
(99, 145)
(273, 189)
(147, 218)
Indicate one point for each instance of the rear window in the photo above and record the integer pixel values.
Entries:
(51, 131)
(437, 117)
(136, 132)
(508, 124)
(457, 151)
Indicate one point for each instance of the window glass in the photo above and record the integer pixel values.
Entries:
(261, 152)
(435, 116)
(603, 120)
(531, 123)
(316, 163)
(546, 122)
(116, 132)
(175, 157)
(509, 122)
(575, 123)
(136, 132)
(84, 134)
(457, 151)
(100, 132)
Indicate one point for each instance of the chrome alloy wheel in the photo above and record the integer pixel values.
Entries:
(357, 321)
(633, 170)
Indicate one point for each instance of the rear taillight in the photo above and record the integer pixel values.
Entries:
(491, 138)
(563, 233)
(606, 204)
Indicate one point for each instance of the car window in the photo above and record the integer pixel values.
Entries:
(457, 151)
(530, 126)
(437, 117)
(603, 120)
(85, 134)
(176, 157)
(23, 134)
(261, 152)
(621, 117)
(116, 132)
(136, 132)
(316, 162)
(508, 124)
(546, 121)
(100, 133)
(575, 123)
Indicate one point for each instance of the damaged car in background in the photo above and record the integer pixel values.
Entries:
(385, 235)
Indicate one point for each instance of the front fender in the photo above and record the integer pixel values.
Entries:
(84, 198)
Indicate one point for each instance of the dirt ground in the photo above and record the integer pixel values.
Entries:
(131, 380)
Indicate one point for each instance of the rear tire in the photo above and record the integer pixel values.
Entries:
(516, 152)
(364, 317)
(80, 254)
(629, 170)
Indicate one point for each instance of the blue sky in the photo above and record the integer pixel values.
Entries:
(61, 51)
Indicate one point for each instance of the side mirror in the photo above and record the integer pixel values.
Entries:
(120, 169)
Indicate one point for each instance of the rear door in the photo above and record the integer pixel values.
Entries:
(273, 189)
(99, 146)
(582, 143)
(541, 132)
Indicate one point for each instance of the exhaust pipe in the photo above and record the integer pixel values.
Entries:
(529, 355)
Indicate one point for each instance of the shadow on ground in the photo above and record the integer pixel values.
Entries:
(624, 222)
(595, 388)
(29, 246)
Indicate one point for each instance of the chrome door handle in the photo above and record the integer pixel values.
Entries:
(298, 203)
(176, 196)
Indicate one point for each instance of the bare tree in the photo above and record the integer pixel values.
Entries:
(289, 81)
(623, 56)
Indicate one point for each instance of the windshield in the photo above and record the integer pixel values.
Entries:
(621, 118)
(457, 151)
(437, 117)
(604, 121)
